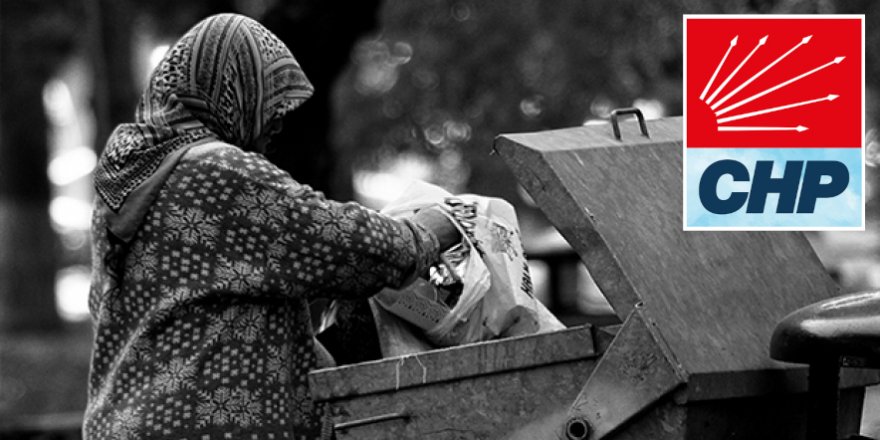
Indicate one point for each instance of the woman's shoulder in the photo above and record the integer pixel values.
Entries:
(218, 159)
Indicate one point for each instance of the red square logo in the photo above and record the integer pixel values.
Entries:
(773, 81)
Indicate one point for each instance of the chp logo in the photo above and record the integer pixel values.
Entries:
(774, 122)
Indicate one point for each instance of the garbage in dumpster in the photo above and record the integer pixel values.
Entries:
(482, 289)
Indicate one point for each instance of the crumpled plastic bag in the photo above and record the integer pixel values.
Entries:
(397, 337)
(495, 298)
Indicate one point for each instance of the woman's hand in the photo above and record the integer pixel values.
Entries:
(437, 221)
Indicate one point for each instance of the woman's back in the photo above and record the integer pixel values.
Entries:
(208, 331)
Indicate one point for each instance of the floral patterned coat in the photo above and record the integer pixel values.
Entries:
(207, 334)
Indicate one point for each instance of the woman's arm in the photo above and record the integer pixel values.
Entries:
(344, 250)
(305, 245)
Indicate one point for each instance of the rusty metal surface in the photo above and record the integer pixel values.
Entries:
(524, 404)
(454, 363)
(715, 295)
(665, 420)
(487, 390)
(634, 373)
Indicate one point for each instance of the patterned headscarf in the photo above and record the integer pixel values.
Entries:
(226, 79)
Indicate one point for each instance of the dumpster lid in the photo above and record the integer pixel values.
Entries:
(715, 296)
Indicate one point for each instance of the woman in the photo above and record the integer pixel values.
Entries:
(206, 255)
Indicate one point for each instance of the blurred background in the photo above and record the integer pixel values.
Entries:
(405, 90)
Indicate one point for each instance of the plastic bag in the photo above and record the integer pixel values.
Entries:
(396, 336)
(496, 294)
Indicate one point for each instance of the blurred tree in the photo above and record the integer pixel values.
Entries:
(321, 35)
(35, 37)
(110, 25)
(169, 19)
(444, 77)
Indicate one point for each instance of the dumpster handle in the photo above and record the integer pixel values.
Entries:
(370, 420)
(628, 111)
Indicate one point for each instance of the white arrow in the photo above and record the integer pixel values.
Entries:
(778, 86)
(776, 109)
(761, 42)
(804, 41)
(718, 69)
(799, 128)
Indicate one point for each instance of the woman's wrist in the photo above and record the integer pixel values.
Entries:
(436, 221)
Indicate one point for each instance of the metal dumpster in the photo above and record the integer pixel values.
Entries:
(690, 359)
(471, 391)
